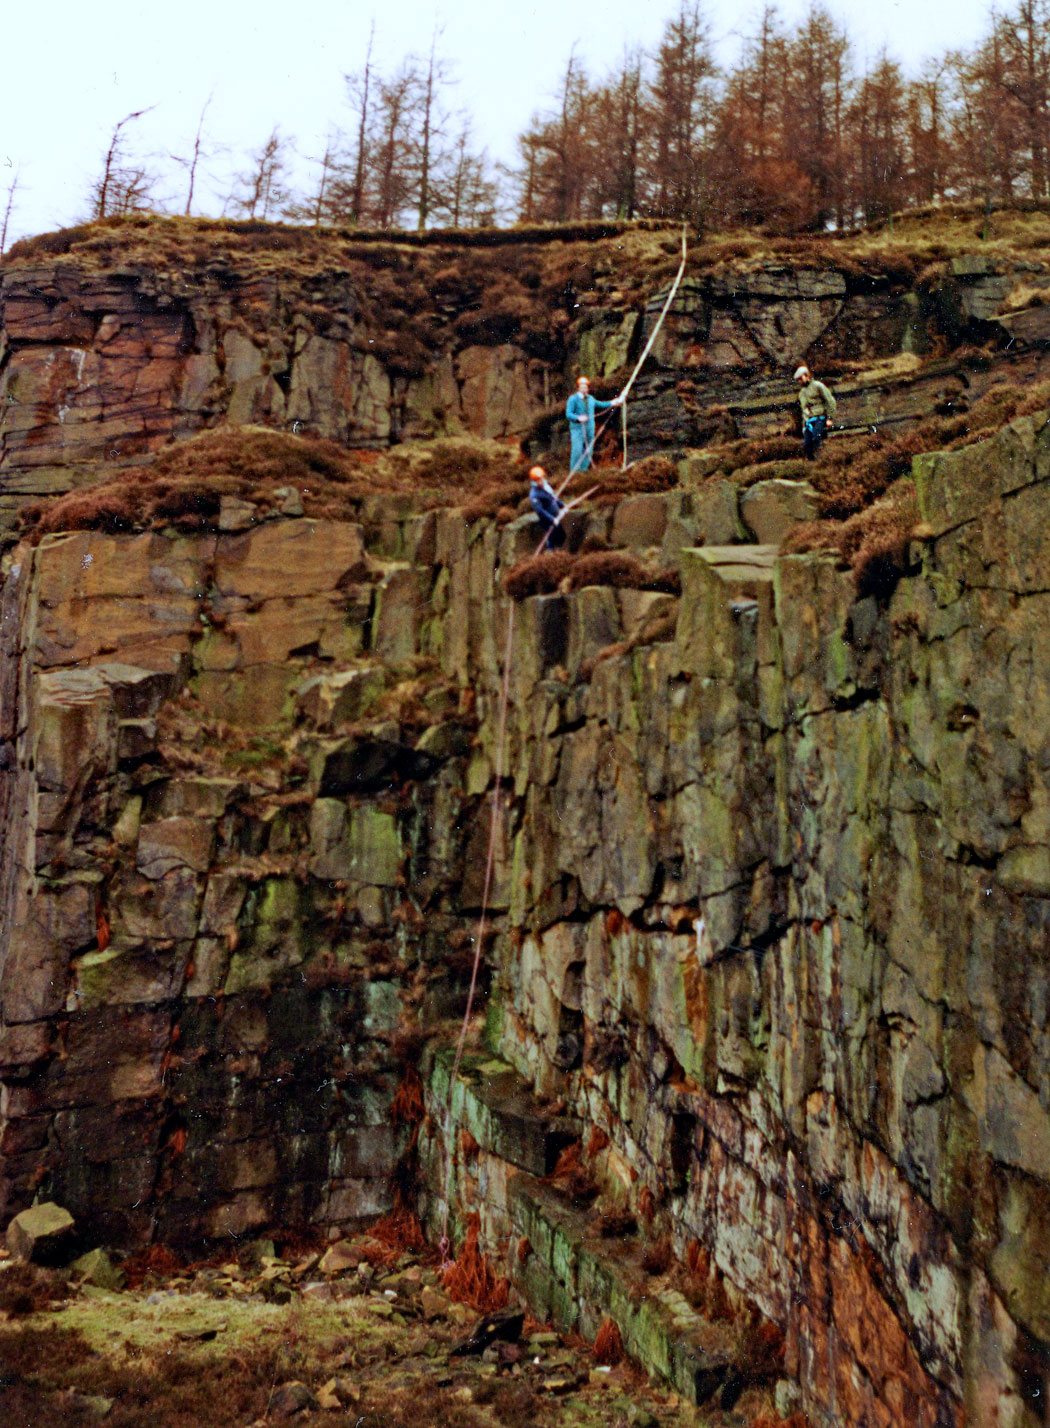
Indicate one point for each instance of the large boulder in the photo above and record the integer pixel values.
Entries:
(42, 1234)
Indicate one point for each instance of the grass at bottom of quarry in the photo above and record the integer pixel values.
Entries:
(216, 1346)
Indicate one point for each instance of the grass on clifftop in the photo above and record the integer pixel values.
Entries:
(633, 257)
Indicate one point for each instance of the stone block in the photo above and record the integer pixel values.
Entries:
(98, 1269)
(41, 1234)
(288, 560)
(48, 928)
(716, 509)
(640, 521)
(641, 610)
(959, 486)
(23, 1046)
(127, 976)
(1014, 1125)
(258, 697)
(494, 390)
(444, 741)
(136, 738)
(237, 515)
(75, 733)
(196, 797)
(396, 618)
(769, 509)
(165, 906)
(137, 693)
(716, 625)
(332, 699)
(138, 596)
(174, 843)
(224, 897)
(594, 623)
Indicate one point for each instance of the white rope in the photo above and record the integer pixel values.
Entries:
(490, 857)
(659, 322)
(649, 345)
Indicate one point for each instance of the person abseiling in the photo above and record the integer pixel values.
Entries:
(579, 411)
(547, 506)
(818, 410)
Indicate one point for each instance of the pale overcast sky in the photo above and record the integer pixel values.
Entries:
(73, 69)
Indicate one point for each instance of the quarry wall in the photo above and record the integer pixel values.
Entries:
(769, 933)
(124, 343)
(771, 901)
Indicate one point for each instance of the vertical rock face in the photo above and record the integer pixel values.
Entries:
(99, 369)
(793, 865)
(210, 942)
(771, 897)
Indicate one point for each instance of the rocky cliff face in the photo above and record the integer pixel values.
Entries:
(771, 903)
(119, 345)
(770, 897)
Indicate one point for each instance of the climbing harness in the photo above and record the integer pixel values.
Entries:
(444, 1244)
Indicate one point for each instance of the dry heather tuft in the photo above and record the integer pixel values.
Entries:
(537, 574)
(187, 481)
(874, 542)
(560, 570)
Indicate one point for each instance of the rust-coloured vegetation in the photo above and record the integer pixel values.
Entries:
(703, 1284)
(874, 542)
(401, 1230)
(596, 1142)
(470, 1279)
(657, 1257)
(185, 485)
(561, 570)
(27, 1288)
(616, 1224)
(468, 1146)
(608, 1343)
(406, 1109)
(573, 1177)
(156, 1260)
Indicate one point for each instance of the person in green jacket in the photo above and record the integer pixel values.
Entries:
(818, 411)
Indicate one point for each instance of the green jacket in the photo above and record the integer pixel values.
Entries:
(816, 400)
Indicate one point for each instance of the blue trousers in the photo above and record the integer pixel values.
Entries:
(813, 432)
(581, 439)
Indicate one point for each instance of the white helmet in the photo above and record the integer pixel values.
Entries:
(801, 374)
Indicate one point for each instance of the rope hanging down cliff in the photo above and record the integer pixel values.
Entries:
(501, 729)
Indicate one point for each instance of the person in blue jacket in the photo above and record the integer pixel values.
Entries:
(579, 410)
(547, 506)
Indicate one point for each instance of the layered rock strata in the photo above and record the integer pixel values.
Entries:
(102, 362)
(771, 901)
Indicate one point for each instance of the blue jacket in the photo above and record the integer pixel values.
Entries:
(578, 406)
(544, 502)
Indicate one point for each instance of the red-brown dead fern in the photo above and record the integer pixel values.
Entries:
(470, 1279)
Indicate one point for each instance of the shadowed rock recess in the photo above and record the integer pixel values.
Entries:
(767, 984)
